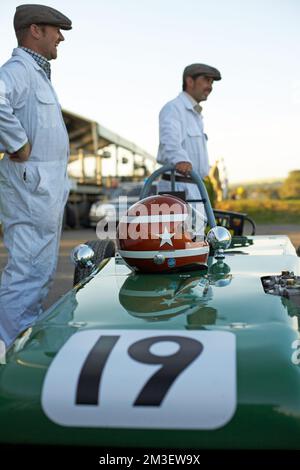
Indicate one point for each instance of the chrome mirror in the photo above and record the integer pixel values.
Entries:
(83, 256)
(219, 238)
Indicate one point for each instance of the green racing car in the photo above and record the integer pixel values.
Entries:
(178, 359)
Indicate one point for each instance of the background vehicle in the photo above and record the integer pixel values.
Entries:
(118, 202)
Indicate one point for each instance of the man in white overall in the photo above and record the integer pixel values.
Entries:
(33, 173)
(182, 140)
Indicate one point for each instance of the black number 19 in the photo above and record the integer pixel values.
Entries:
(156, 388)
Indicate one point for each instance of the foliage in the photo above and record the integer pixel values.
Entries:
(210, 190)
(291, 186)
(268, 189)
(266, 210)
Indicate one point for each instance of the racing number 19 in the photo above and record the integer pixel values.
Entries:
(156, 388)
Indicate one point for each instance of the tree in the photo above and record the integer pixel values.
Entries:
(210, 191)
(290, 188)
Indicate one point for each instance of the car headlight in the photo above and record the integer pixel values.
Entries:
(97, 210)
(100, 211)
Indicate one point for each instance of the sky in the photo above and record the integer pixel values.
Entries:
(123, 60)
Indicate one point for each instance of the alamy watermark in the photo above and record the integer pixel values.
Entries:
(296, 354)
(146, 222)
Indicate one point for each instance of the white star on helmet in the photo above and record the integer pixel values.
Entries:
(166, 237)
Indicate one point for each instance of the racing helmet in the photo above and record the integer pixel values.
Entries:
(154, 236)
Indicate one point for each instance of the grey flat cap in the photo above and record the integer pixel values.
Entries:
(201, 69)
(39, 14)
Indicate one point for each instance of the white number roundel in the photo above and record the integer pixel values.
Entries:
(143, 379)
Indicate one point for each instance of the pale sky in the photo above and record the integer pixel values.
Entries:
(123, 60)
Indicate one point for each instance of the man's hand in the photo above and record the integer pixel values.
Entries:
(22, 154)
(184, 168)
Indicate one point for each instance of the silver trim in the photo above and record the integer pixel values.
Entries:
(167, 253)
(143, 219)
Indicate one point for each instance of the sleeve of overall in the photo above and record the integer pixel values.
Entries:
(170, 136)
(14, 88)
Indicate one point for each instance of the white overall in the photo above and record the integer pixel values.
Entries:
(182, 138)
(32, 194)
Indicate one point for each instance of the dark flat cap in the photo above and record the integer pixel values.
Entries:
(39, 14)
(201, 69)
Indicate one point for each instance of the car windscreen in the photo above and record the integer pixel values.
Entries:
(134, 191)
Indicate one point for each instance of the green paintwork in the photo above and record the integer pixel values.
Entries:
(229, 297)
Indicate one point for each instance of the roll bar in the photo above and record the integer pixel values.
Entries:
(197, 180)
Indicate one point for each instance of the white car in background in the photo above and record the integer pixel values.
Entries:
(120, 199)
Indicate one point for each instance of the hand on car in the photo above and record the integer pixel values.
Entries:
(184, 168)
(22, 154)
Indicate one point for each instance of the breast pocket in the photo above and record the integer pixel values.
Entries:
(194, 140)
(194, 132)
(47, 110)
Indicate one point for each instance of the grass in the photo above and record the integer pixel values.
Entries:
(266, 211)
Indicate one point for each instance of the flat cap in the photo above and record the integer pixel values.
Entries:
(39, 14)
(201, 69)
